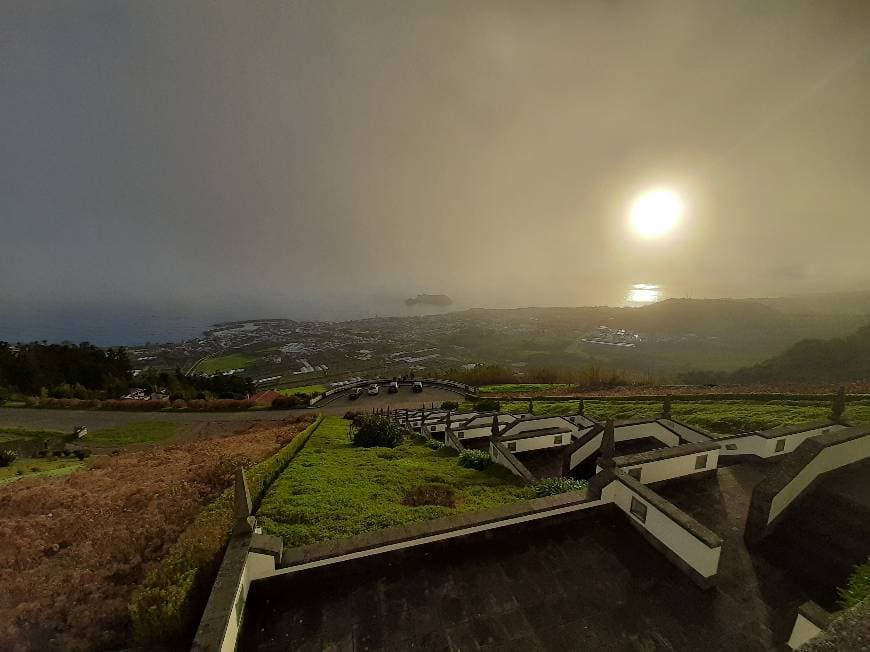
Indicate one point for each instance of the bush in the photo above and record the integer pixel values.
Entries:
(857, 588)
(377, 430)
(434, 444)
(166, 608)
(7, 457)
(430, 493)
(475, 459)
(487, 405)
(449, 405)
(554, 486)
(82, 453)
(288, 402)
(353, 415)
(5, 395)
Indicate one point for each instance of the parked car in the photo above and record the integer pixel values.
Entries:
(374, 389)
(355, 393)
(417, 387)
(393, 387)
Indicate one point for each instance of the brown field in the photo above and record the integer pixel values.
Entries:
(73, 548)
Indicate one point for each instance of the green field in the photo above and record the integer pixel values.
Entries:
(138, 432)
(333, 490)
(22, 468)
(224, 363)
(305, 389)
(719, 417)
(522, 387)
(10, 433)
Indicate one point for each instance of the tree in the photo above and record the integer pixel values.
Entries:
(838, 406)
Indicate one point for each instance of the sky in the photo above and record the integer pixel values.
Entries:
(316, 159)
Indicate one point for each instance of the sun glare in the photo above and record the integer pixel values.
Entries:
(656, 213)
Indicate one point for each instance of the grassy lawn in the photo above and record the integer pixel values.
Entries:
(23, 468)
(719, 417)
(333, 490)
(9, 433)
(522, 387)
(224, 363)
(305, 389)
(138, 432)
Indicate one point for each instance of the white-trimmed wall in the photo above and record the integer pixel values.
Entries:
(584, 452)
(765, 447)
(257, 565)
(674, 467)
(699, 556)
(802, 631)
(641, 430)
(538, 443)
(828, 459)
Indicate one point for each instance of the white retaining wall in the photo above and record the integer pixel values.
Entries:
(257, 565)
(828, 459)
(753, 444)
(694, 552)
(641, 430)
(674, 467)
(803, 631)
(583, 453)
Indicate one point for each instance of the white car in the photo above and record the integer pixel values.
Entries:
(374, 388)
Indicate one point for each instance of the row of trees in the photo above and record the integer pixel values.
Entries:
(29, 368)
(84, 371)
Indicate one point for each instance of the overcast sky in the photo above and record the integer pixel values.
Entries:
(275, 156)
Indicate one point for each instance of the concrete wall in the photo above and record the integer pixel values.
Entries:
(828, 459)
(539, 443)
(765, 446)
(673, 467)
(583, 453)
(802, 631)
(687, 433)
(641, 430)
(673, 530)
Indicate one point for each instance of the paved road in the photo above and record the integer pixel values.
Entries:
(96, 419)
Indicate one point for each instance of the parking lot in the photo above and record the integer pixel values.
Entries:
(405, 398)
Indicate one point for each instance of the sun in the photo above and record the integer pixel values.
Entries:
(655, 213)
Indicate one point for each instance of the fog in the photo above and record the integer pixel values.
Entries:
(317, 158)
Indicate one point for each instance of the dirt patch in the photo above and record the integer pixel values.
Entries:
(72, 549)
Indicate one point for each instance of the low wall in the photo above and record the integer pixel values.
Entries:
(773, 443)
(583, 448)
(248, 557)
(810, 621)
(668, 463)
(785, 484)
(687, 543)
(627, 432)
(502, 456)
(425, 532)
(451, 440)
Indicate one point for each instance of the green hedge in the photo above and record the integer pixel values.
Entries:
(166, 608)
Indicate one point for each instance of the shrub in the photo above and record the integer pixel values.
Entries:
(434, 444)
(288, 402)
(554, 486)
(475, 459)
(430, 493)
(449, 405)
(7, 457)
(166, 608)
(82, 453)
(857, 587)
(377, 430)
(487, 405)
(353, 415)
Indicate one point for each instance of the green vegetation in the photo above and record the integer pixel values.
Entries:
(376, 430)
(10, 433)
(529, 388)
(334, 490)
(475, 459)
(166, 608)
(857, 587)
(718, 416)
(138, 432)
(224, 363)
(554, 486)
(38, 468)
(304, 389)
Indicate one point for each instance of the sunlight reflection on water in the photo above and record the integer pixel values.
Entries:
(641, 293)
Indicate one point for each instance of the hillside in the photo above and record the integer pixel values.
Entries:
(813, 360)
